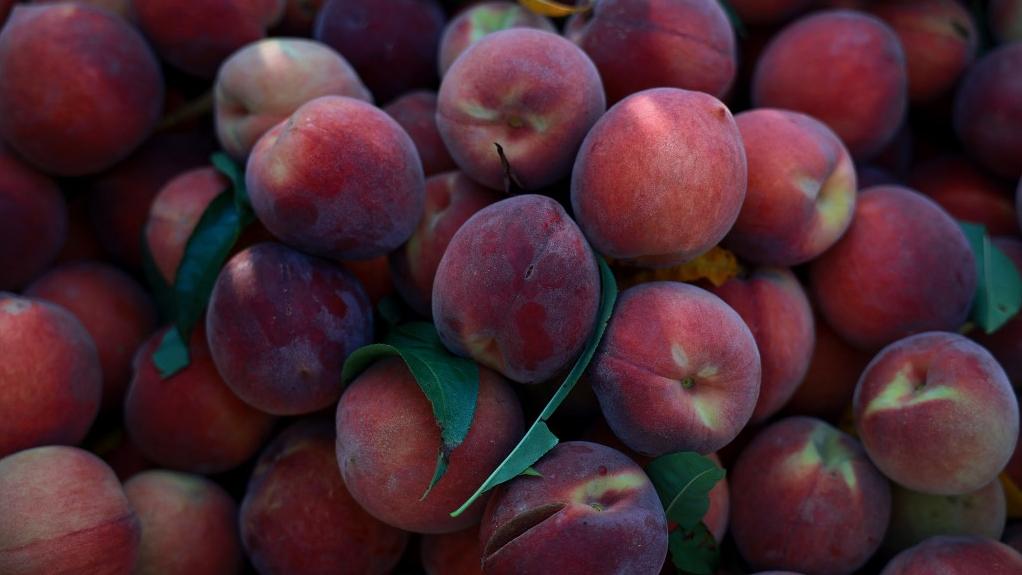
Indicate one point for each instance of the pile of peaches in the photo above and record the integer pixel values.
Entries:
(538, 288)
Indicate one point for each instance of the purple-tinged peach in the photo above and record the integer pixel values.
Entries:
(416, 113)
(950, 555)
(988, 111)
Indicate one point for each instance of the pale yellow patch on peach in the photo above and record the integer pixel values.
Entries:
(903, 392)
(592, 490)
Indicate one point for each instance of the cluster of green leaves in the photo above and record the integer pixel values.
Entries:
(215, 235)
(998, 287)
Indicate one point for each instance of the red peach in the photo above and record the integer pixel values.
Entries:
(988, 110)
(452, 553)
(263, 83)
(592, 510)
(392, 43)
(388, 440)
(122, 8)
(1006, 343)
(34, 219)
(807, 68)
(190, 421)
(481, 19)
(801, 192)
(99, 98)
(416, 113)
(451, 199)
(805, 496)
(189, 525)
(966, 193)
(769, 12)
(642, 44)
(903, 267)
(916, 517)
(537, 105)
(665, 381)
(115, 310)
(197, 35)
(339, 178)
(374, 275)
(936, 413)
(63, 512)
(530, 314)
(297, 517)
(681, 188)
(956, 556)
(50, 378)
(280, 325)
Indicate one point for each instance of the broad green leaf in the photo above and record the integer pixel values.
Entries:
(683, 481)
(998, 287)
(171, 356)
(694, 551)
(449, 382)
(538, 440)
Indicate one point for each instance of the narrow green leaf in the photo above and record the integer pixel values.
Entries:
(538, 440)
(683, 481)
(694, 551)
(998, 287)
(171, 356)
(450, 383)
(236, 174)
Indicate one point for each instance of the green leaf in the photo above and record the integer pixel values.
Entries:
(538, 440)
(450, 383)
(694, 551)
(531, 472)
(998, 287)
(236, 174)
(171, 356)
(683, 481)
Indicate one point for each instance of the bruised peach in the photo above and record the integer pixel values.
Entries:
(263, 83)
(99, 98)
(451, 199)
(531, 313)
(956, 556)
(537, 106)
(936, 413)
(988, 111)
(807, 68)
(804, 496)
(280, 325)
(112, 307)
(916, 516)
(587, 496)
(666, 380)
(339, 178)
(297, 517)
(416, 113)
(660, 179)
(50, 377)
(481, 19)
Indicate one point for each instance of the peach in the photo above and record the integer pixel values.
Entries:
(801, 192)
(903, 267)
(1004, 18)
(1006, 343)
(827, 388)
(299, 18)
(773, 304)
(297, 517)
(280, 325)
(115, 310)
(451, 199)
(196, 36)
(936, 413)
(189, 525)
(122, 455)
(34, 218)
(805, 497)
(988, 110)
(916, 517)
(263, 83)
(103, 88)
(532, 311)
(190, 421)
(537, 105)
(416, 113)
(82, 241)
(339, 179)
(64, 511)
(481, 19)
(769, 12)
(967, 193)
(452, 553)
(807, 68)
(956, 556)
(940, 40)
(374, 275)
(642, 44)
(50, 378)
(388, 440)
(122, 8)
(681, 188)
(392, 43)
(665, 381)
(590, 499)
